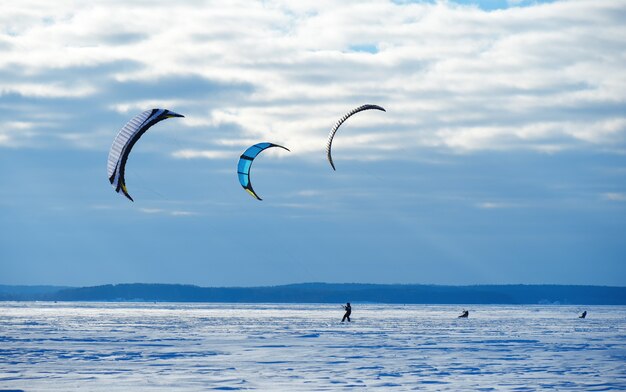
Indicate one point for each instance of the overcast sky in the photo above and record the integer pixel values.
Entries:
(501, 157)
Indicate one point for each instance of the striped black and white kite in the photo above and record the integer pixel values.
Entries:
(124, 142)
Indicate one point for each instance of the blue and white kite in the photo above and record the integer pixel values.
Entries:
(245, 162)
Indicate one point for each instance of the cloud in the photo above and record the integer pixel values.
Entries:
(205, 154)
(456, 78)
(614, 196)
(491, 205)
(310, 193)
(160, 211)
(46, 91)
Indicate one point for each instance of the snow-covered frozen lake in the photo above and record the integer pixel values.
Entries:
(302, 347)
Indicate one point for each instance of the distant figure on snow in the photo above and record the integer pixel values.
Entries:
(465, 314)
(583, 315)
(348, 310)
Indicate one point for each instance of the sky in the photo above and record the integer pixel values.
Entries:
(501, 157)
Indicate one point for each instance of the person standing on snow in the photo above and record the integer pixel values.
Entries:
(348, 310)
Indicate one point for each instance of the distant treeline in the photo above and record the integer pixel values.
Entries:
(327, 293)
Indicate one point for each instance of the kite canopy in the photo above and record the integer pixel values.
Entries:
(331, 135)
(124, 142)
(245, 163)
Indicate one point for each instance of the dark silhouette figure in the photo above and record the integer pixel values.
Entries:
(583, 315)
(348, 310)
(465, 314)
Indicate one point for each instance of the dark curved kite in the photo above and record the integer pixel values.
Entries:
(331, 135)
(124, 142)
(245, 163)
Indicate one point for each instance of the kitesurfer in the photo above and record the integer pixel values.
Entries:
(583, 315)
(348, 310)
(465, 314)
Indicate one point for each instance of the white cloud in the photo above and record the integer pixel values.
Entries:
(161, 211)
(182, 213)
(492, 205)
(544, 77)
(614, 196)
(47, 90)
(16, 133)
(205, 154)
(310, 193)
(151, 210)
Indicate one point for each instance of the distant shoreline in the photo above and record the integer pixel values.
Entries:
(327, 293)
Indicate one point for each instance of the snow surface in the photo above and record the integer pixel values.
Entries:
(303, 347)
